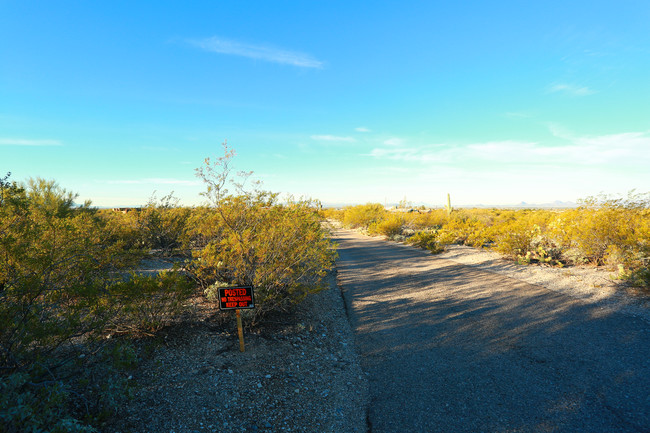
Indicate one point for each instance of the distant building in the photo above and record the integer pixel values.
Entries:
(126, 209)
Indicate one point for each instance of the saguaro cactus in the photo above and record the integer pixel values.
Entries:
(448, 205)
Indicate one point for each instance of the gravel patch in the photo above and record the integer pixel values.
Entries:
(588, 283)
(302, 376)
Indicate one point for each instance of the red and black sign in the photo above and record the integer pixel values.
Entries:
(236, 298)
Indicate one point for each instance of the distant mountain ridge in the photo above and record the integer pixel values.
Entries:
(557, 204)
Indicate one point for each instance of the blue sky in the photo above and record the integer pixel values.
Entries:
(348, 102)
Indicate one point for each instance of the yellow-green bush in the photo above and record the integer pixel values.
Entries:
(146, 303)
(390, 227)
(62, 284)
(427, 240)
(434, 218)
(249, 238)
(602, 231)
(363, 216)
(160, 225)
(332, 213)
(464, 230)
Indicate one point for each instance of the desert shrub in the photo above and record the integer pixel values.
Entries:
(638, 276)
(102, 384)
(204, 225)
(515, 239)
(55, 265)
(427, 240)
(332, 213)
(91, 389)
(252, 239)
(212, 291)
(390, 226)
(431, 219)
(363, 216)
(521, 235)
(121, 229)
(605, 231)
(26, 406)
(146, 303)
(462, 229)
(61, 287)
(162, 223)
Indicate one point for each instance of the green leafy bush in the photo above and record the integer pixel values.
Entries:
(55, 267)
(639, 277)
(162, 224)
(92, 389)
(146, 303)
(31, 407)
(62, 287)
(249, 238)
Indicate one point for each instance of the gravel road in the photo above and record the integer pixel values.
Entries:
(449, 347)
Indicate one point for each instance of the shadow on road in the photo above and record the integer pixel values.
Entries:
(452, 348)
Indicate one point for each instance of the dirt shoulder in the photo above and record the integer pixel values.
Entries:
(587, 283)
(301, 376)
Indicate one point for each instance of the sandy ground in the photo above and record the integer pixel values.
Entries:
(588, 283)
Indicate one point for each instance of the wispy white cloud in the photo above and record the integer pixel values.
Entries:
(427, 154)
(265, 52)
(394, 141)
(560, 165)
(629, 148)
(155, 181)
(611, 152)
(29, 142)
(334, 138)
(570, 89)
(362, 129)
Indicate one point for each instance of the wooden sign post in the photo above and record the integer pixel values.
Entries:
(237, 298)
(240, 331)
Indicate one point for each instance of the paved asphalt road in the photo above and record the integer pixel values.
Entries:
(450, 348)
